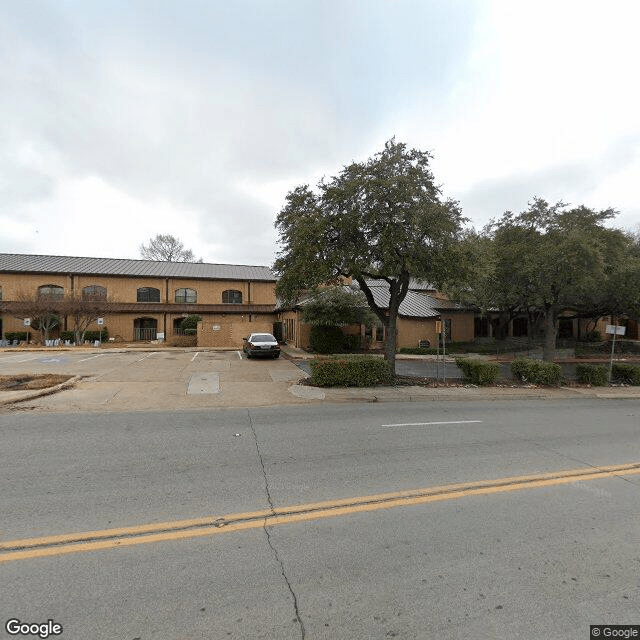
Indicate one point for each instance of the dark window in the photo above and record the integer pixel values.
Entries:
(94, 292)
(565, 328)
(519, 328)
(448, 330)
(148, 294)
(481, 327)
(50, 291)
(186, 295)
(0, 293)
(232, 296)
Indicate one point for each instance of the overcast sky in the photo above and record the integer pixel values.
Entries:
(127, 118)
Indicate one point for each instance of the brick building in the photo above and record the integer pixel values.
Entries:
(147, 299)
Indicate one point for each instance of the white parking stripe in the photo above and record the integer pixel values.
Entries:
(239, 355)
(90, 358)
(151, 354)
(425, 424)
(194, 357)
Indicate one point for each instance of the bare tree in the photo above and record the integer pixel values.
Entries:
(167, 248)
(83, 310)
(43, 310)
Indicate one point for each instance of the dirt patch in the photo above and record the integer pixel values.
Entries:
(29, 381)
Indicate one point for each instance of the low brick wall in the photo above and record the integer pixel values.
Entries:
(229, 334)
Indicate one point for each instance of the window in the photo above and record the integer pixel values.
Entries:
(186, 295)
(0, 293)
(148, 294)
(232, 296)
(94, 292)
(50, 291)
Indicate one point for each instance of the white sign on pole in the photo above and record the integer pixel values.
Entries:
(617, 330)
(27, 322)
(100, 321)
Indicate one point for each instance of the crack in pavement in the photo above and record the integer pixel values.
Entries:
(265, 528)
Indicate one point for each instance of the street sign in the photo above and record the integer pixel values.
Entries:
(27, 322)
(617, 330)
(100, 321)
(438, 326)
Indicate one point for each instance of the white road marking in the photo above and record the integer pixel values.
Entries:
(239, 355)
(194, 357)
(151, 354)
(91, 357)
(425, 424)
(27, 360)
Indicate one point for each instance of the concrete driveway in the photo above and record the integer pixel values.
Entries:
(156, 380)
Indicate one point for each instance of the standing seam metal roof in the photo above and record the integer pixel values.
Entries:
(25, 263)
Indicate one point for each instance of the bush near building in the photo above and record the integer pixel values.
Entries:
(594, 374)
(626, 373)
(326, 339)
(478, 372)
(536, 371)
(350, 371)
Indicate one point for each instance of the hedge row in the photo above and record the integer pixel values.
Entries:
(626, 373)
(350, 371)
(15, 335)
(595, 374)
(479, 372)
(90, 336)
(536, 371)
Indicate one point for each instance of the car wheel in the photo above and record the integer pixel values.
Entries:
(276, 356)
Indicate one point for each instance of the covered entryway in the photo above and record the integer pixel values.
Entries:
(145, 329)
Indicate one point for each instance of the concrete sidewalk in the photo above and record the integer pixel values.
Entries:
(173, 381)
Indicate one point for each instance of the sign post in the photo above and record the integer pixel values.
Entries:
(438, 332)
(27, 323)
(616, 330)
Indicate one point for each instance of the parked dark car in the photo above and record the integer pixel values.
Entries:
(261, 344)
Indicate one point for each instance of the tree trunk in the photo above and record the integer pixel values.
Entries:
(550, 333)
(390, 341)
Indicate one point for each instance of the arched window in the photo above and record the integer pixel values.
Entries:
(50, 291)
(186, 295)
(232, 296)
(148, 294)
(94, 292)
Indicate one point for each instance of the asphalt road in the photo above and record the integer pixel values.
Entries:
(503, 562)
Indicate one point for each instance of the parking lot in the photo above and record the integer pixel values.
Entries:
(146, 380)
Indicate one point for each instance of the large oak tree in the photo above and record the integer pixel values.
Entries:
(382, 219)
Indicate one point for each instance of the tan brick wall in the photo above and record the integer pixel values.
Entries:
(412, 330)
(230, 333)
(461, 326)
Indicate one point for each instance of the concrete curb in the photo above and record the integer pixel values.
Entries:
(39, 393)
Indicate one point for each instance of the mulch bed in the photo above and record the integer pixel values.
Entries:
(28, 381)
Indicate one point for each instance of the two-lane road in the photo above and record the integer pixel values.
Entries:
(438, 520)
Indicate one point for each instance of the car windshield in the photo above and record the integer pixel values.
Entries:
(262, 337)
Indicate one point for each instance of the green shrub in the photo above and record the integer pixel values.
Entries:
(593, 336)
(350, 371)
(91, 336)
(15, 335)
(189, 325)
(594, 374)
(536, 371)
(352, 343)
(626, 373)
(419, 351)
(326, 339)
(479, 372)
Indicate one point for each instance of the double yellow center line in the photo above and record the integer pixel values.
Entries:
(198, 527)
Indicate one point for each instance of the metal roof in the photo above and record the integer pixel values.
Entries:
(25, 263)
